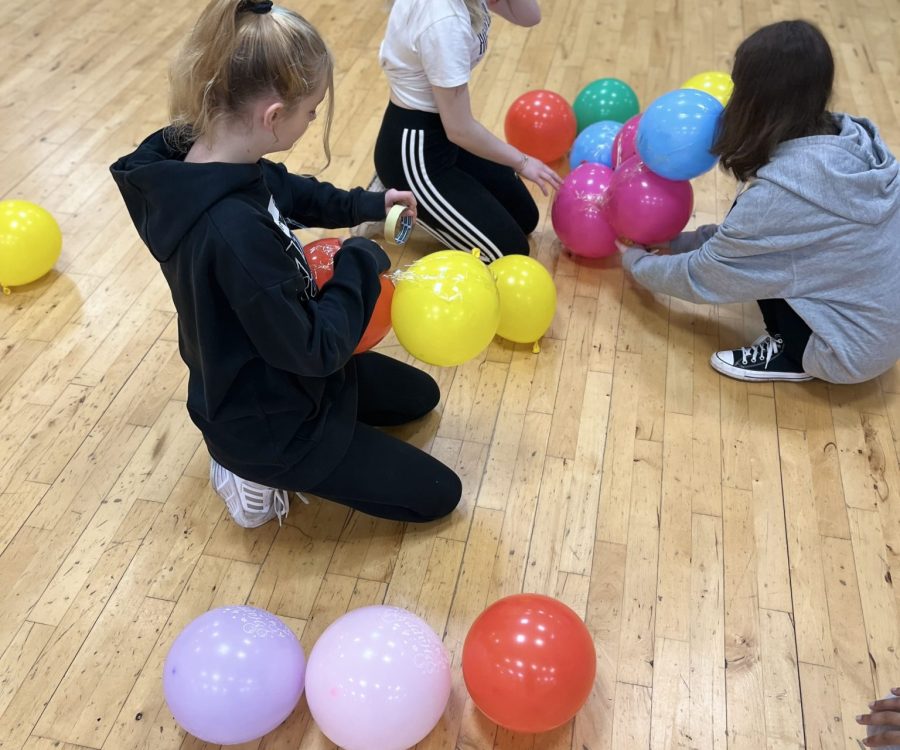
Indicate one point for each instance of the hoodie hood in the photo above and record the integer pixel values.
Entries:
(165, 196)
(852, 174)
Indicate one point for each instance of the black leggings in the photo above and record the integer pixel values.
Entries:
(463, 200)
(781, 320)
(381, 475)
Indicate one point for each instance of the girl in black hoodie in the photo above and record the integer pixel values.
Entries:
(274, 387)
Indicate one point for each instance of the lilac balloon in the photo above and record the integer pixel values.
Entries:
(233, 674)
(577, 213)
(378, 677)
(644, 207)
(624, 146)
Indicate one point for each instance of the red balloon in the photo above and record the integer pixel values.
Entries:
(577, 212)
(320, 257)
(529, 663)
(644, 207)
(541, 124)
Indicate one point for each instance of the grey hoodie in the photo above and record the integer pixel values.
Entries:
(819, 226)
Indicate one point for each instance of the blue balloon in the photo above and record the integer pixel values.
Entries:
(594, 144)
(676, 134)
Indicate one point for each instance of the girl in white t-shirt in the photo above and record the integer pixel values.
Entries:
(465, 179)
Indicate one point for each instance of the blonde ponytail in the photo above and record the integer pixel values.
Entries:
(478, 13)
(238, 51)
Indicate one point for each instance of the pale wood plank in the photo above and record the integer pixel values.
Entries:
(97, 453)
(743, 657)
(813, 630)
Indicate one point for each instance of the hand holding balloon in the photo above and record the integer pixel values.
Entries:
(320, 258)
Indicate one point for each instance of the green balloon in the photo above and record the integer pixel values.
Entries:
(605, 99)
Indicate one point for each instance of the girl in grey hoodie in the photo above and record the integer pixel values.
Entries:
(814, 236)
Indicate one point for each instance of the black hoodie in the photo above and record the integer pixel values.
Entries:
(272, 380)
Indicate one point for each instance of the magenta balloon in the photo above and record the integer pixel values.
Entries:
(233, 675)
(577, 212)
(644, 207)
(624, 147)
(378, 677)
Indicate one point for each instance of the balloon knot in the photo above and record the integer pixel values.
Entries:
(536, 349)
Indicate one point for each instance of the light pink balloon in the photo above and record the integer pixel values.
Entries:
(644, 207)
(577, 213)
(378, 677)
(624, 147)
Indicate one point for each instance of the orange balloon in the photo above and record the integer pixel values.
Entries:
(541, 124)
(320, 257)
(380, 322)
(529, 663)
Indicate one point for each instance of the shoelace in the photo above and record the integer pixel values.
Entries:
(282, 504)
(769, 347)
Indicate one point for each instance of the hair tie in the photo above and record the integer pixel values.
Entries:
(258, 8)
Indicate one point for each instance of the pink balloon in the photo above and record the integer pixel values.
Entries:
(644, 207)
(577, 213)
(378, 677)
(623, 147)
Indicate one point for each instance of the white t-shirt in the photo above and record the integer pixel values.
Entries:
(430, 43)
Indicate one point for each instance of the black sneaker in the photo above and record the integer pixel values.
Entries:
(764, 359)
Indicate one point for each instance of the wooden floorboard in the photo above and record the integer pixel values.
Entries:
(731, 547)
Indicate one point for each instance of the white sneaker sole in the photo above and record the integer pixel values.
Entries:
(739, 373)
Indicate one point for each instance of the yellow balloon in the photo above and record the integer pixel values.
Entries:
(527, 298)
(445, 308)
(30, 242)
(714, 83)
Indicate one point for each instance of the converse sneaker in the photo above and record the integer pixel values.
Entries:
(249, 504)
(764, 359)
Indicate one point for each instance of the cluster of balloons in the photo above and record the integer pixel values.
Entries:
(543, 124)
(631, 172)
(448, 305)
(30, 243)
(379, 676)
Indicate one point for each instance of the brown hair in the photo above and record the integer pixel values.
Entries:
(783, 74)
(238, 51)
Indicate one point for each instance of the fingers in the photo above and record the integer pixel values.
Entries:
(885, 718)
(887, 704)
(883, 739)
(555, 179)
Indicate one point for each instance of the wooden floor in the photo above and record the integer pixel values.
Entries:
(731, 547)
